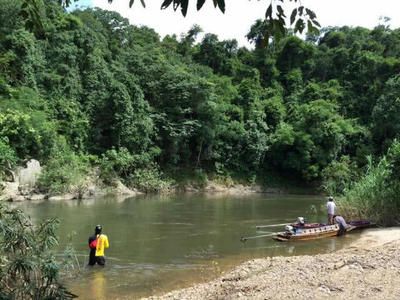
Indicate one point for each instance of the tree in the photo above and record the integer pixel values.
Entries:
(313, 136)
(28, 269)
(386, 114)
(256, 34)
(217, 55)
(188, 40)
(26, 123)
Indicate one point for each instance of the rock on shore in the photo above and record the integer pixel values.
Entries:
(368, 270)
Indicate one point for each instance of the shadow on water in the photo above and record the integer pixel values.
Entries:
(162, 243)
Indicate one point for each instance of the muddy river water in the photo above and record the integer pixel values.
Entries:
(159, 243)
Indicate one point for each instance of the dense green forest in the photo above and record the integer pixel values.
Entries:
(89, 89)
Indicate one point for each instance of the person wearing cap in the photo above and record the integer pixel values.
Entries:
(331, 206)
(97, 243)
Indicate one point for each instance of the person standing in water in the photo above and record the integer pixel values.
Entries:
(331, 206)
(97, 243)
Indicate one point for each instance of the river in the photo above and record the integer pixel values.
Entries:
(159, 243)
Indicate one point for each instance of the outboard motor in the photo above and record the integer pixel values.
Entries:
(289, 228)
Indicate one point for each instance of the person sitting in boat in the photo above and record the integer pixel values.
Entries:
(330, 205)
(342, 224)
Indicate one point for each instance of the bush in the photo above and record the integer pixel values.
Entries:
(200, 177)
(8, 157)
(148, 180)
(338, 176)
(116, 164)
(28, 269)
(225, 180)
(65, 171)
(376, 195)
(137, 170)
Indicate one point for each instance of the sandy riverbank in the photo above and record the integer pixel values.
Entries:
(367, 269)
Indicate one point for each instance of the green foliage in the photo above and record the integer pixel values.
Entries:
(72, 122)
(275, 111)
(386, 113)
(216, 54)
(114, 164)
(200, 177)
(22, 132)
(137, 171)
(28, 269)
(120, 163)
(393, 156)
(294, 54)
(316, 138)
(224, 180)
(25, 122)
(65, 171)
(375, 195)
(338, 176)
(149, 180)
(70, 261)
(8, 158)
(24, 55)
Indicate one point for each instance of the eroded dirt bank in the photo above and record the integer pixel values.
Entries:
(368, 269)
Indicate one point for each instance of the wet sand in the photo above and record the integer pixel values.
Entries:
(368, 269)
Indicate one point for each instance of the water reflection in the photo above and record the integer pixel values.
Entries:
(332, 245)
(97, 285)
(324, 245)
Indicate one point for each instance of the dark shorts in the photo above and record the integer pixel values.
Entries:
(100, 260)
(342, 230)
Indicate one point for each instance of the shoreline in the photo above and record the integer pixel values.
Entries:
(12, 191)
(369, 268)
(22, 186)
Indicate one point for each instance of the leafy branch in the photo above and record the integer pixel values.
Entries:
(275, 15)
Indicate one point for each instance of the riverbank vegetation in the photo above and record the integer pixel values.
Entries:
(376, 194)
(28, 268)
(89, 90)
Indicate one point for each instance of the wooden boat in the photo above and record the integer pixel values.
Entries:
(312, 231)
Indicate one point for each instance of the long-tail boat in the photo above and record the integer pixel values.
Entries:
(312, 231)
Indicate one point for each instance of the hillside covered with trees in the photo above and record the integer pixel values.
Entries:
(89, 89)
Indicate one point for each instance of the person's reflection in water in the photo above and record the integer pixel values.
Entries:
(290, 249)
(98, 285)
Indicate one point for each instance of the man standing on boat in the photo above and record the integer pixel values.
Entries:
(331, 206)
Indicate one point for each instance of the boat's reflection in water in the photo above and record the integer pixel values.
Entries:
(325, 245)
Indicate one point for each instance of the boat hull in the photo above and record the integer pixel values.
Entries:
(317, 232)
(308, 233)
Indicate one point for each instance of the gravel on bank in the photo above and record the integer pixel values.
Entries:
(369, 269)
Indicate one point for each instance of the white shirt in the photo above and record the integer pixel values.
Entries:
(331, 207)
